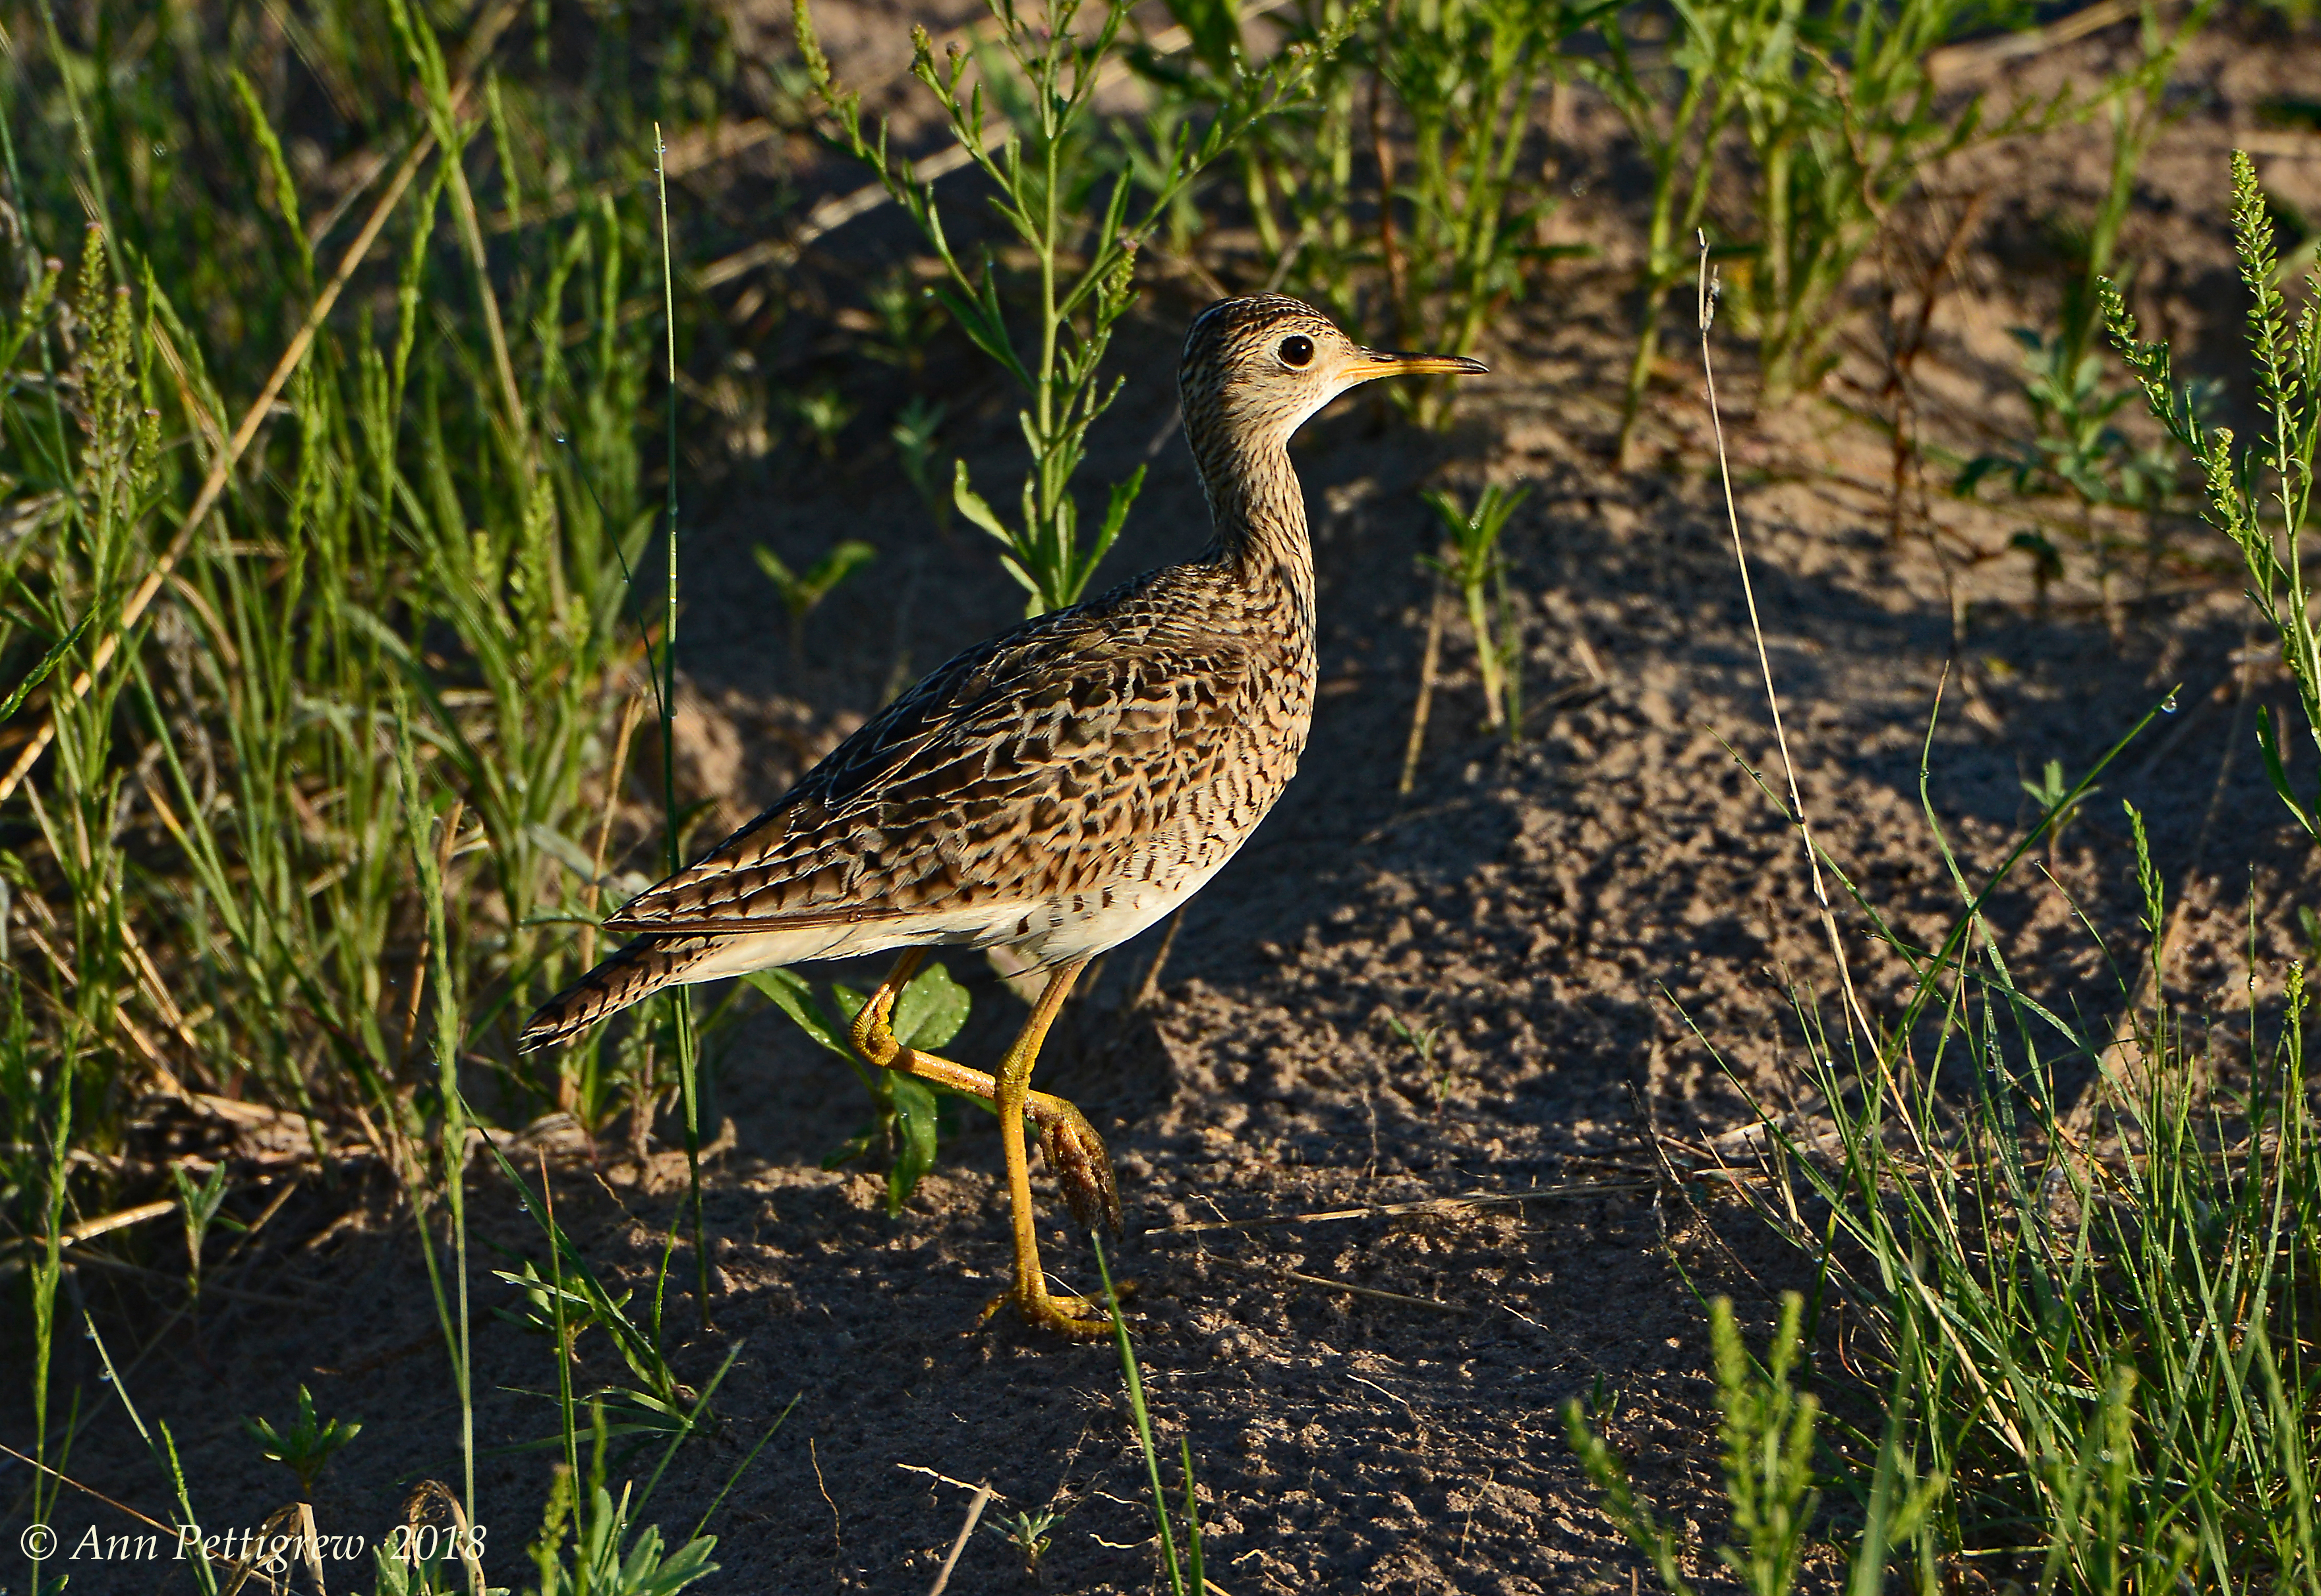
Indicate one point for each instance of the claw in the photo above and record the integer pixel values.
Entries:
(1079, 1317)
(1083, 1170)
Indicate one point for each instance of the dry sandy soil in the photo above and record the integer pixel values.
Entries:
(1569, 911)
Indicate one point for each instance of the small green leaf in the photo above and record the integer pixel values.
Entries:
(1024, 579)
(563, 850)
(793, 996)
(987, 332)
(1116, 516)
(856, 1147)
(914, 1118)
(2268, 741)
(48, 662)
(931, 1010)
(975, 507)
(845, 558)
(777, 572)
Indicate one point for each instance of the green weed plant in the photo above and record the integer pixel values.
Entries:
(1034, 90)
(1473, 564)
(307, 1445)
(2259, 497)
(200, 1205)
(2076, 450)
(1296, 170)
(1770, 1462)
(1837, 110)
(928, 1013)
(1443, 95)
(803, 591)
(1841, 118)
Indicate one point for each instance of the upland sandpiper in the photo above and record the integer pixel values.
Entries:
(1054, 790)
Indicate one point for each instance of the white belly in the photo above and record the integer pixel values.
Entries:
(1081, 924)
(1050, 932)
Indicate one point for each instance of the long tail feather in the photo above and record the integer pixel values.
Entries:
(637, 972)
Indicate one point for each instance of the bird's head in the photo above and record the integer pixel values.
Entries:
(1255, 369)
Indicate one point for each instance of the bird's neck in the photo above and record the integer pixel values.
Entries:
(1259, 511)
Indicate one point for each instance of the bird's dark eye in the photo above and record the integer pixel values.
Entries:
(1297, 349)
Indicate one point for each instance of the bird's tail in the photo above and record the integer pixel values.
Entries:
(637, 972)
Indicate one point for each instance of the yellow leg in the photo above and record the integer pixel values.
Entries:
(1073, 1149)
(1070, 1316)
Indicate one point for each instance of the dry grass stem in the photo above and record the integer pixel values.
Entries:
(917, 1468)
(1322, 1283)
(1430, 661)
(1706, 305)
(974, 1511)
(1429, 1205)
(65, 1479)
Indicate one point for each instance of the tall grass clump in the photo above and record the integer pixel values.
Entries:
(2095, 1287)
(1676, 104)
(1405, 188)
(447, 510)
(1843, 119)
(1772, 1474)
(2082, 1245)
(1298, 173)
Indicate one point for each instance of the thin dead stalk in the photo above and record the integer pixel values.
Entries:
(1707, 308)
(974, 1512)
(915, 1468)
(1319, 1282)
(1429, 662)
(837, 1530)
(1907, 343)
(1429, 1205)
(613, 774)
(1149, 987)
(463, 210)
(64, 1479)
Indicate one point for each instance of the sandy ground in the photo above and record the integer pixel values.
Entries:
(1567, 911)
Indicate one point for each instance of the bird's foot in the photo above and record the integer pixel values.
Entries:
(1083, 1169)
(1075, 1318)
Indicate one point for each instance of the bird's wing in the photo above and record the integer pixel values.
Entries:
(1030, 765)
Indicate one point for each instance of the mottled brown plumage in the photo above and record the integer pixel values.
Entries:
(1058, 788)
